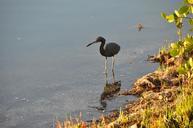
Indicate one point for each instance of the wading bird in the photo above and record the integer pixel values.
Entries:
(107, 50)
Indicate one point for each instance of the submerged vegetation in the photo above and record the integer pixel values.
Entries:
(165, 97)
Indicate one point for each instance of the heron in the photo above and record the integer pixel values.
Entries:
(107, 50)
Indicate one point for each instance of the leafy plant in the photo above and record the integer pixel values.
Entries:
(176, 49)
(186, 69)
(179, 16)
(188, 44)
(182, 48)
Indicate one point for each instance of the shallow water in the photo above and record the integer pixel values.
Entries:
(46, 70)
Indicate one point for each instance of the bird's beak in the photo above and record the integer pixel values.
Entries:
(91, 43)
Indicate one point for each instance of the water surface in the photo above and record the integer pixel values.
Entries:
(46, 70)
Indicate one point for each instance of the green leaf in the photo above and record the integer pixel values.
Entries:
(163, 15)
(191, 21)
(181, 51)
(174, 52)
(181, 70)
(175, 45)
(187, 66)
(190, 1)
(189, 74)
(176, 49)
(190, 61)
(191, 9)
(177, 13)
(188, 44)
(183, 10)
(170, 18)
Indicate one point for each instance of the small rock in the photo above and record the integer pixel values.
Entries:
(133, 126)
(160, 97)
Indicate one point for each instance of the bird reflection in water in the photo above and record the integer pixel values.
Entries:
(110, 91)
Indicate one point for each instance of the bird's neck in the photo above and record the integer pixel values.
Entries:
(102, 50)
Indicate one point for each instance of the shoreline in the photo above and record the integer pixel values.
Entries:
(149, 92)
(165, 96)
(155, 90)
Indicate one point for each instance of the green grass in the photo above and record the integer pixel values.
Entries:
(179, 116)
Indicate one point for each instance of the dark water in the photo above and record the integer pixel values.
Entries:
(46, 71)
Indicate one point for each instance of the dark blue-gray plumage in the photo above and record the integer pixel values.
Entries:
(107, 50)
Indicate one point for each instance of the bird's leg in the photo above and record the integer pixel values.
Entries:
(106, 70)
(113, 66)
(113, 63)
(113, 77)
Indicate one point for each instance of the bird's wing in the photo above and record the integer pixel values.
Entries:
(112, 49)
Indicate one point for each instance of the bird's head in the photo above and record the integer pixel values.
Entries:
(98, 39)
